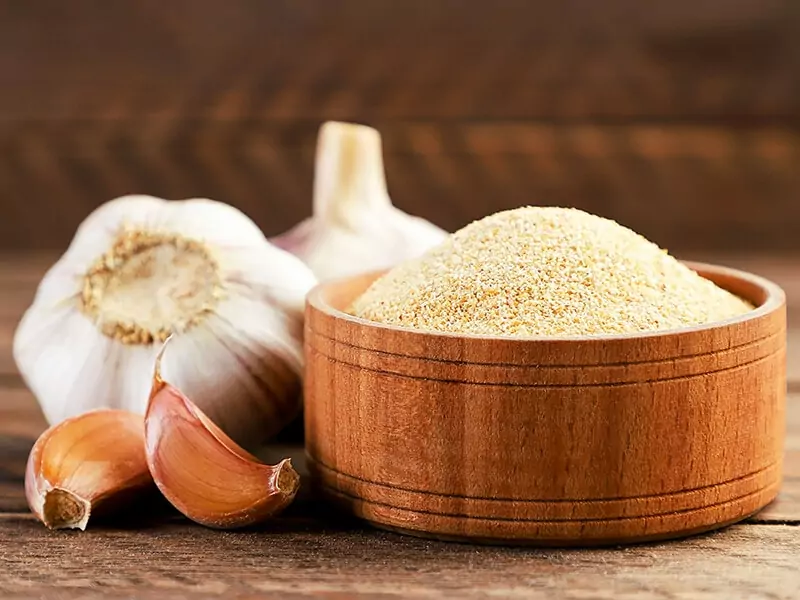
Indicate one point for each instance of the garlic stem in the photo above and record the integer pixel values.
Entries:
(349, 174)
(354, 228)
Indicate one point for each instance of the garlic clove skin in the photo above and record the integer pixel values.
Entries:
(354, 227)
(91, 463)
(140, 268)
(205, 474)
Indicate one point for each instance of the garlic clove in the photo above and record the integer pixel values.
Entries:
(354, 227)
(202, 472)
(89, 464)
(75, 354)
(283, 285)
(213, 222)
(140, 268)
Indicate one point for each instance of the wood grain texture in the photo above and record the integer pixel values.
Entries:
(687, 187)
(547, 441)
(298, 559)
(675, 119)
(427, 59)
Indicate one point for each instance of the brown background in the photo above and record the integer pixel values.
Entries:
(681, 119)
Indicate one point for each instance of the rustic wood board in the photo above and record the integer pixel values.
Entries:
(307, 559)
(312, 553)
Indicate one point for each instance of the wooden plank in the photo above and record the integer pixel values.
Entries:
(299, 560)
(684, 186)
(426, 59)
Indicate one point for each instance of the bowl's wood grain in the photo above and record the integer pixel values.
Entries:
(552, 441)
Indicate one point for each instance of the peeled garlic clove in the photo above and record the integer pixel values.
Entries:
(89, 464)
(354, 227)
(141, 268)
(205, 474)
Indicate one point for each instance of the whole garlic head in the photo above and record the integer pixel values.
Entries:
(141, 268)
(355, 228)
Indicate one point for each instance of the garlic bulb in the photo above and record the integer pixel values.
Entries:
(354, 227)
(141, 268)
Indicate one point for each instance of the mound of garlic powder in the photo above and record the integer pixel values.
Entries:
(545, 271)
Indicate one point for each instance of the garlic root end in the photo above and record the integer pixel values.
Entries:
(288, 480)
(94, 459)
(63, 509)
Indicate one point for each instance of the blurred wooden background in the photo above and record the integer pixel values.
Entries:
(681, 119)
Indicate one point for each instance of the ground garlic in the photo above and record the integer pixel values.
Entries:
(545, 271)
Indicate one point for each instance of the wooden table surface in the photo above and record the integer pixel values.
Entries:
(311, 553)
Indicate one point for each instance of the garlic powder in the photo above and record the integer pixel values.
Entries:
(545, 271)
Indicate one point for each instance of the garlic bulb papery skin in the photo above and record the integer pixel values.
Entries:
(141, 268)
(355, 228)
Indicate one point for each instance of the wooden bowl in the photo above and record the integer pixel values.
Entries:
(592, 440)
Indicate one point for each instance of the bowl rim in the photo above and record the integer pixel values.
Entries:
(775, 300)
